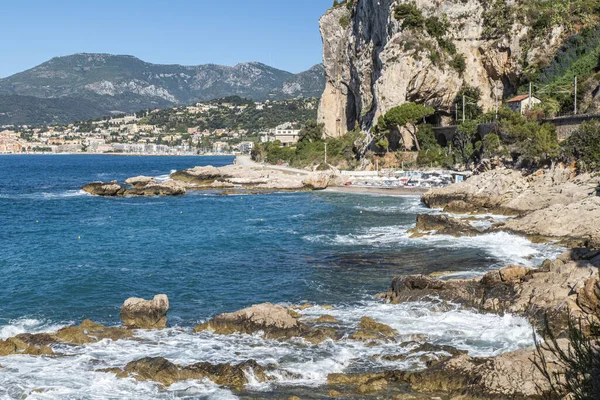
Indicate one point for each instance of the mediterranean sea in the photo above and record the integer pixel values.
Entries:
(66, 256)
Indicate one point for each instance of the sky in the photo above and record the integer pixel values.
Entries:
(280, 33)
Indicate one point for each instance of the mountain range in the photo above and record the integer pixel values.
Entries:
(83, 86)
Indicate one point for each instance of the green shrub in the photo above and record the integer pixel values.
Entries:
(459, 63)
(574, 373)
(410, 15)
(345, 21)
(583, 146)
(497, 19)
(463, 139)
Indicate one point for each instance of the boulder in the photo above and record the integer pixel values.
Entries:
(110, 189)
(138, 313)
(272, 319)
(317, 181)
(276, 322)
(140, 181)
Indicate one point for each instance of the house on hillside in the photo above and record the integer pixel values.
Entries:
(522, 103)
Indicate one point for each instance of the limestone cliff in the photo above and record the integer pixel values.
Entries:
(372, 63)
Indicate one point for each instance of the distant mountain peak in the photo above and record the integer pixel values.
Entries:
(108, 82)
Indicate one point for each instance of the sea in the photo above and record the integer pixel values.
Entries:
(66, 256)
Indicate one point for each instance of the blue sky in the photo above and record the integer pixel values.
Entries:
(281, 33)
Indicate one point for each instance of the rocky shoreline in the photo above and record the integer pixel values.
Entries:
(226, 179)
(557, 288)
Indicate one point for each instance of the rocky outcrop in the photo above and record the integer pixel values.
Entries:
(373, 64)
(442, 225)
(41, 343)
(141, 187)
(511, 192)
(579, 220)
(16, 345)
(160, 370)
(555, 289)
(555, 203)
(275, 321)
(200, 176)
(138, 313)
(108, 189)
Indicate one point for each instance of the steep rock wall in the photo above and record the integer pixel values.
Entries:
(372, 64)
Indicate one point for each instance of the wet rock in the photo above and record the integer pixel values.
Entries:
(160, 370)
(514, 289)
(327, 319)
(153, 188)
(110, 189)
(15, 345)
(274, 320)
(90, 332)
(138, 313)
(140, 181)
(443, 225)
(370, 324)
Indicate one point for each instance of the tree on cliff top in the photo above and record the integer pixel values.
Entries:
(312, 131)
(408, 115)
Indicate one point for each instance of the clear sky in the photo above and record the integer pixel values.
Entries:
(281, 33)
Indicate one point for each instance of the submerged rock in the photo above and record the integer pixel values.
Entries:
(327, 319)
(138, 313)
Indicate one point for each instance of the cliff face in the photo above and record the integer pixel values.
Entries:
(372, 63)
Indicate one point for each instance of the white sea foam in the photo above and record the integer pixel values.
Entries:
(165, 177)
(46, 195)
(27, 325)
(298, 362)
(508, 248)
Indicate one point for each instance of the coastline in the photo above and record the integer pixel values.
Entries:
(117, 154)
(396, 191)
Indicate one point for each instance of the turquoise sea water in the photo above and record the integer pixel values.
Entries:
(66, 256)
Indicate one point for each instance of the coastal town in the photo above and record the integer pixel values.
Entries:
(206, 128)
